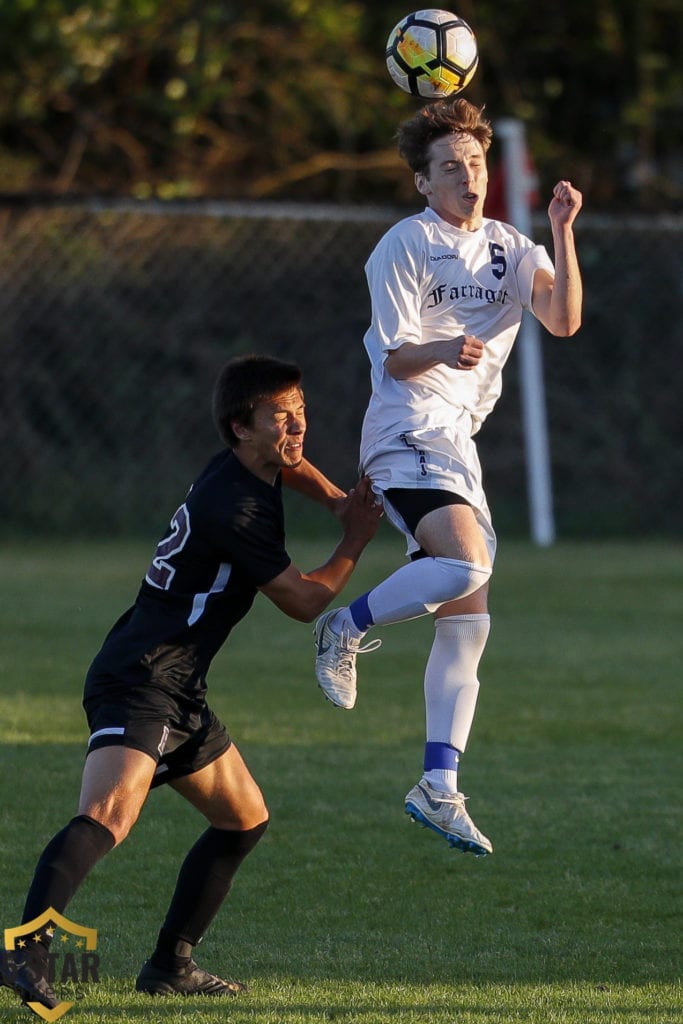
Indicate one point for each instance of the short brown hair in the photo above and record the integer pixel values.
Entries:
(444, 117)
(242, 384)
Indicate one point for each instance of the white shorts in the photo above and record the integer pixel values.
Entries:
(424, 460)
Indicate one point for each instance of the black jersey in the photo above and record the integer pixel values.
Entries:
(226, 540)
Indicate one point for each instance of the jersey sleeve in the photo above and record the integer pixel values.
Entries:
(393, 280)
(249, 534)
(258, 541)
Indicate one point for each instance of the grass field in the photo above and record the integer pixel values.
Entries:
(346, 911)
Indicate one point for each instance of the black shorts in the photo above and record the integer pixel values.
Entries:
(412, 505)
(180, 743)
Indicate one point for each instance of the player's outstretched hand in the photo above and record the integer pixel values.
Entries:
(362, 512)
(565, 204)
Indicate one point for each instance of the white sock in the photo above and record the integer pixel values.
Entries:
(413, 590)
(343, 622)
(443, 779)
(421, 586)
(451, 686)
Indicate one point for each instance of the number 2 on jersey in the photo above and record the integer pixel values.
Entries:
(161, 572)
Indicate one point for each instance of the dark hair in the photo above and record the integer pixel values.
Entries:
(242, 384)
(444, 117)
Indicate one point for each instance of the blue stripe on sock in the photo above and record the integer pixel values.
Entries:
(441, 755)
(360, 613)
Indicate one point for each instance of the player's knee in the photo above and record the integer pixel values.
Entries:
(255, 812)
(250, 814)
(116, 810)
(118, 821)
(459, 579)
(234, 844)
(250, 837)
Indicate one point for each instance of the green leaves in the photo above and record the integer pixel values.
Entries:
(167, 97)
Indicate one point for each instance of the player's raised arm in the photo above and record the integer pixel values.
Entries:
(557, 302)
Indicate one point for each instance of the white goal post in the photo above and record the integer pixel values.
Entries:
(518, 186)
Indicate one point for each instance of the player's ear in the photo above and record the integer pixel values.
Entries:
(422, 183)
(240, 430)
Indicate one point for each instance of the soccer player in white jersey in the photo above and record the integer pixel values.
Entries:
(448, 287)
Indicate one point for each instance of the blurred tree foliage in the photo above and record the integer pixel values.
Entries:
(291, 98)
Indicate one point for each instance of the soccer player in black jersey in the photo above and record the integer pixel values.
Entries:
(145, 692)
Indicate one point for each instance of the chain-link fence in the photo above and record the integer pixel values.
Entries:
(114, 319)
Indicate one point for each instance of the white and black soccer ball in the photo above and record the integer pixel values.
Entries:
(432, 54)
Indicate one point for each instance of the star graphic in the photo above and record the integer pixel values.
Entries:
(37, 937)
(79, 943)
(63, 937)
(21, 943)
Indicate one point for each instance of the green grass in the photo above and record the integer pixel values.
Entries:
(347, 912)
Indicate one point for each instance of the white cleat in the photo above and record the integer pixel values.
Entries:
(335, 661)
(445, 814)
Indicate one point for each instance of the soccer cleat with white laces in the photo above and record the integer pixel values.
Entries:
(335, 661)
(445, 814)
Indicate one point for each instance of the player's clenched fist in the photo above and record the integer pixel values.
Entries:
(565, 204)
(471, 351)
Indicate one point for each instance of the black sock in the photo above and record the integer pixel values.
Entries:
(63, 864)
(203, 883)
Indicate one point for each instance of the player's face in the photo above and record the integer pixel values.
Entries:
(276, 436)
(456, 184)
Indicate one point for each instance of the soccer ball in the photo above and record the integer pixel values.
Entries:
(432, 54)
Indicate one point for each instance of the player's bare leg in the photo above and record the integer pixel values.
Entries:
(114, 787)
(225, 792)
(453, 532)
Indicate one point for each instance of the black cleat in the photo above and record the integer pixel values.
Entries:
(190, 981)
(32, 985)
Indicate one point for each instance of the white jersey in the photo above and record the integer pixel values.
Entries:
(428, 281)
